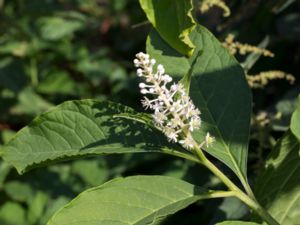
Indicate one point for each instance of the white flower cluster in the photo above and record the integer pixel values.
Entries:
(174, 112)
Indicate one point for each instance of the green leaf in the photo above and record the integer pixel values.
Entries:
(173, 20)
(52, 207)
(286, 106)
(55, 28)
(12, 213)
(90, 171)
(278, 187)
(15, 48)
(4, 171)
(230, 209)
(81, 128)
(30, 103)
(12, 75)
(175, 64)
(19, 191)
(132, 200)
(6, 135)
(236, 223)
(219, 89)
(295, 122)
(36, 207)
(221, 92)
(57, 82)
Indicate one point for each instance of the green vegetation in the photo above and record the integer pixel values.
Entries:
(70, 105)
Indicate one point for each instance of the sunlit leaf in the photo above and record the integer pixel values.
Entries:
(132, 200)
(173, 20)
(295, 122)
(81, 128)
(236, 223)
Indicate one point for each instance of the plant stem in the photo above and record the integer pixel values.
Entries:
(221, 194)
(248, 198)
(182, 155)
(252, 203)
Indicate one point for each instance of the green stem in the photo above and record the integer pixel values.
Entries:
(252, 203)
(181, 155)
(216, 171)
(249, 190)
(247, 199)
(221, 194)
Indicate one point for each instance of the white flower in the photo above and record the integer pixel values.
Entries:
(146, 103)
(209, 140)
(174, 112)
(195, 123)
(159, 118)
(176, 121)
(171, 133)
(187, 142)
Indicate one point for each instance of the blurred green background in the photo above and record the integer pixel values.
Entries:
(57, 50)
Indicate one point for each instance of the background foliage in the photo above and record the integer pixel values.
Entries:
(53, 51)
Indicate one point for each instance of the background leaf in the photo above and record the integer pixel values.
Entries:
(36, 207)
(219, 89)
(12, 213)
(54, 28)
(19, 191)
(230, 209)
(173, 20)
(295, 122)
(80, 128)
(236, 223)
(277, 189)
(253, 57)
(132, 200)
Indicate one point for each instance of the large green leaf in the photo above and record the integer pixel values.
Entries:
(173, 20)
(221, 92)
(236, 223)
(134, 200)
(219, 89)
(81, 128)
(295, 123)
(278, 188)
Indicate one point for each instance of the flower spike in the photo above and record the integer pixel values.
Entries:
(174, 112)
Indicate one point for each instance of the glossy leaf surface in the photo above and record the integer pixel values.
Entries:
(173, 20)
(80, 128)
(132, 200)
